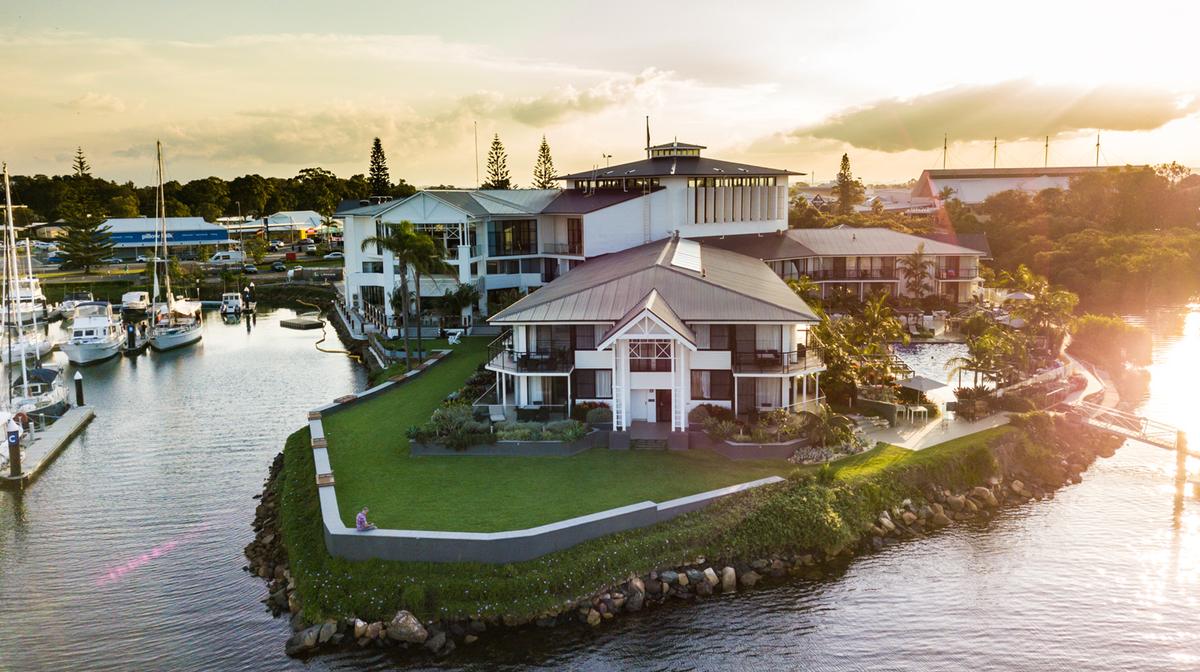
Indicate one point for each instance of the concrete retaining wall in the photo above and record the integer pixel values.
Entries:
(504, 547)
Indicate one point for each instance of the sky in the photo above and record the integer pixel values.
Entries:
(272, 87)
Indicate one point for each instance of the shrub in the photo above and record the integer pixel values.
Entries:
(720, 429)
(565, 430)
(581, 410)
(705, 411)
(599, 415)
(1109, 342)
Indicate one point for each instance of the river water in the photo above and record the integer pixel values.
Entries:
(126, 553)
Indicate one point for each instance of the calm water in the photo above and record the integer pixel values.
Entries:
(1106, 576)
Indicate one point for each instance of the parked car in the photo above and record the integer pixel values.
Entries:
(335, 255)
(227, 257)
(188, 255)
(310, 249)
(112, 260)
(279, 267)
(142, 259)
(55, 259)
(250, 269)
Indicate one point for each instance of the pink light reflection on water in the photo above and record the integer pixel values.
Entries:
(118, 572)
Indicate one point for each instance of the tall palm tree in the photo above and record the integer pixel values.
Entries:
(428, 258)
(404, 243)
(918, 272)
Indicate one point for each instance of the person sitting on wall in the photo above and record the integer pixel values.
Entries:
(360, 521)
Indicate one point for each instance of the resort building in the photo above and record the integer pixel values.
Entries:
(655, 330)
(525, 238)
(862, 261)
(973, 185)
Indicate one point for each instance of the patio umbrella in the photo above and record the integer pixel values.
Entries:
(922, 384)
(1019, 296)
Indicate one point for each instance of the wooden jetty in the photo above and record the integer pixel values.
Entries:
(302, 323)
(47, 444)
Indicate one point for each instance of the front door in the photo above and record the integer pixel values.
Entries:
(662, 406)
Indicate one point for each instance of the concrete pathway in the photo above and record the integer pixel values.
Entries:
(925, 434)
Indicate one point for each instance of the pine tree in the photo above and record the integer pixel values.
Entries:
(850, 192)
(80, 165)
(381, 183)
(87, 239)
(497, 167)
(543, 170)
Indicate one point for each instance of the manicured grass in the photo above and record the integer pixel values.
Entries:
(369, 454)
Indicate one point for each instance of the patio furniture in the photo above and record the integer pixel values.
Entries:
(453, 336)
(914, 411)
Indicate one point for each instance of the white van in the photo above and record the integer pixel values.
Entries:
(228, 257)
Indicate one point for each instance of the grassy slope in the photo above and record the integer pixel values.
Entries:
(369, 452)
(800, 514)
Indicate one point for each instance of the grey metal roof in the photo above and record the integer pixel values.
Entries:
(657, 306)
(150, 224)
(661, 166)
(579, 201)
(835, 242)
(975, 241)
(475, 202)
(730, 288)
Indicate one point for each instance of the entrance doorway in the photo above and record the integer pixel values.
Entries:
(662, 406)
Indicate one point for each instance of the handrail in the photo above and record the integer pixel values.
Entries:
(774, 361)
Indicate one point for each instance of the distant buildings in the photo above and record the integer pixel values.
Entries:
(137, 235)
(973, 185)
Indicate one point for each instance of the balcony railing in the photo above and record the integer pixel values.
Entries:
(957, 273)
(562, 248)
(852, 274)
(774, 361)
(502, 357)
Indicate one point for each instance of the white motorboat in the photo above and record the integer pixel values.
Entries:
(135, 304)
(28, 303)
(42, 392)
(96, 333)
(72, 299)
(175, 322)
(29, 345)
(231, 303)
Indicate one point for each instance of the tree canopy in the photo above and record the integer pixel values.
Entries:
(497, 167)
(378, 177)
(543, 169)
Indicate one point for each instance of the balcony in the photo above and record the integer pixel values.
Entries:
(957, 273)
(562, 248)
(768, 362)
(502, 357)
(852, 274)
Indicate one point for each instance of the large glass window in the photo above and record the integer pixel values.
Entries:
(592, 383)
(574, 235)
(511, 237)
(712, 385)
(372, 267)
(585, 337)
(372, 295)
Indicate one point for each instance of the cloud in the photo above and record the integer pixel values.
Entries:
(1012, 110)
(95, 102)
(569, 101)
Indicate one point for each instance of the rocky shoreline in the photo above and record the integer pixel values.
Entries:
(935, 508)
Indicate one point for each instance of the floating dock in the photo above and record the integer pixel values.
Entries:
(302, 323)
(47, 444)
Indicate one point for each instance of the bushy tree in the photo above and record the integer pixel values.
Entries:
(87, 239)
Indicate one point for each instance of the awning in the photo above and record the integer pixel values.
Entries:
(1019, 296)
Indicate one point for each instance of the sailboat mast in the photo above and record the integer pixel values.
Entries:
(7, 273)
(162, 221)
(29, 264)
(10, 263)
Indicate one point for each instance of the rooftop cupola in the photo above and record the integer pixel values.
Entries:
(674, 148)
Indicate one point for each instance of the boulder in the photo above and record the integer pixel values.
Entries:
(972, 507)
(593, 617)
(436, 641)
(669, 576)
(303, 641)
(373, 630)
(710, 575)
(636, 585)
(405, 627)
(750, 578)
(908, 517)
(682, 579)
(328, 630)
(635, 601)
(936, 508)
(653, 587)
(885, 522)
(940, 520)
(470, 639)
(360, 629)
(1016, 486)
(695, 577)
(984, 495)
(477, 626)
(728, 580)
(956, 502)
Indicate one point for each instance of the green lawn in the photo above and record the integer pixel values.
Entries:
(369, 454)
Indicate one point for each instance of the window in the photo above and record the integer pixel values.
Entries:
(574, 235)
(372, 295)
(503, 267)
(649, 356)
(712, 385)
(379, 234)
(718, 336)
(511, 237)
(556, 338)
(593, 383)
(531, 265)
(585, 337)
(747, 338)
(372, 267)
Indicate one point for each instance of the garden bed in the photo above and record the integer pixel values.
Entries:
(593, 439)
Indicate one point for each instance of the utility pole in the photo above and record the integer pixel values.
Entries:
(1097, 149)
(1046, 159)
(945, 148)
(995, 150)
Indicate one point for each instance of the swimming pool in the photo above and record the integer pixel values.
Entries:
(929, 360)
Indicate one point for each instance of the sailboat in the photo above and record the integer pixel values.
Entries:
(174, 322)
(39, 391)
(29, 344)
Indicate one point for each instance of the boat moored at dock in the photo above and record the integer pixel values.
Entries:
(96, 333)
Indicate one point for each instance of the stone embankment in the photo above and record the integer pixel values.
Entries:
(936, 507)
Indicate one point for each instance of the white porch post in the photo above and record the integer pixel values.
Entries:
(804, 391)
(817, 382)
(503, 389)
(568, 411)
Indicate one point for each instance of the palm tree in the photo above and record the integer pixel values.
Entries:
(464, 296)
(427, 258)
(403, 242)
(806, 289)
(918, 271)
(826, 427)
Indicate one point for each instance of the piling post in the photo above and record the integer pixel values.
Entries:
(79, 388)
(14, 448)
